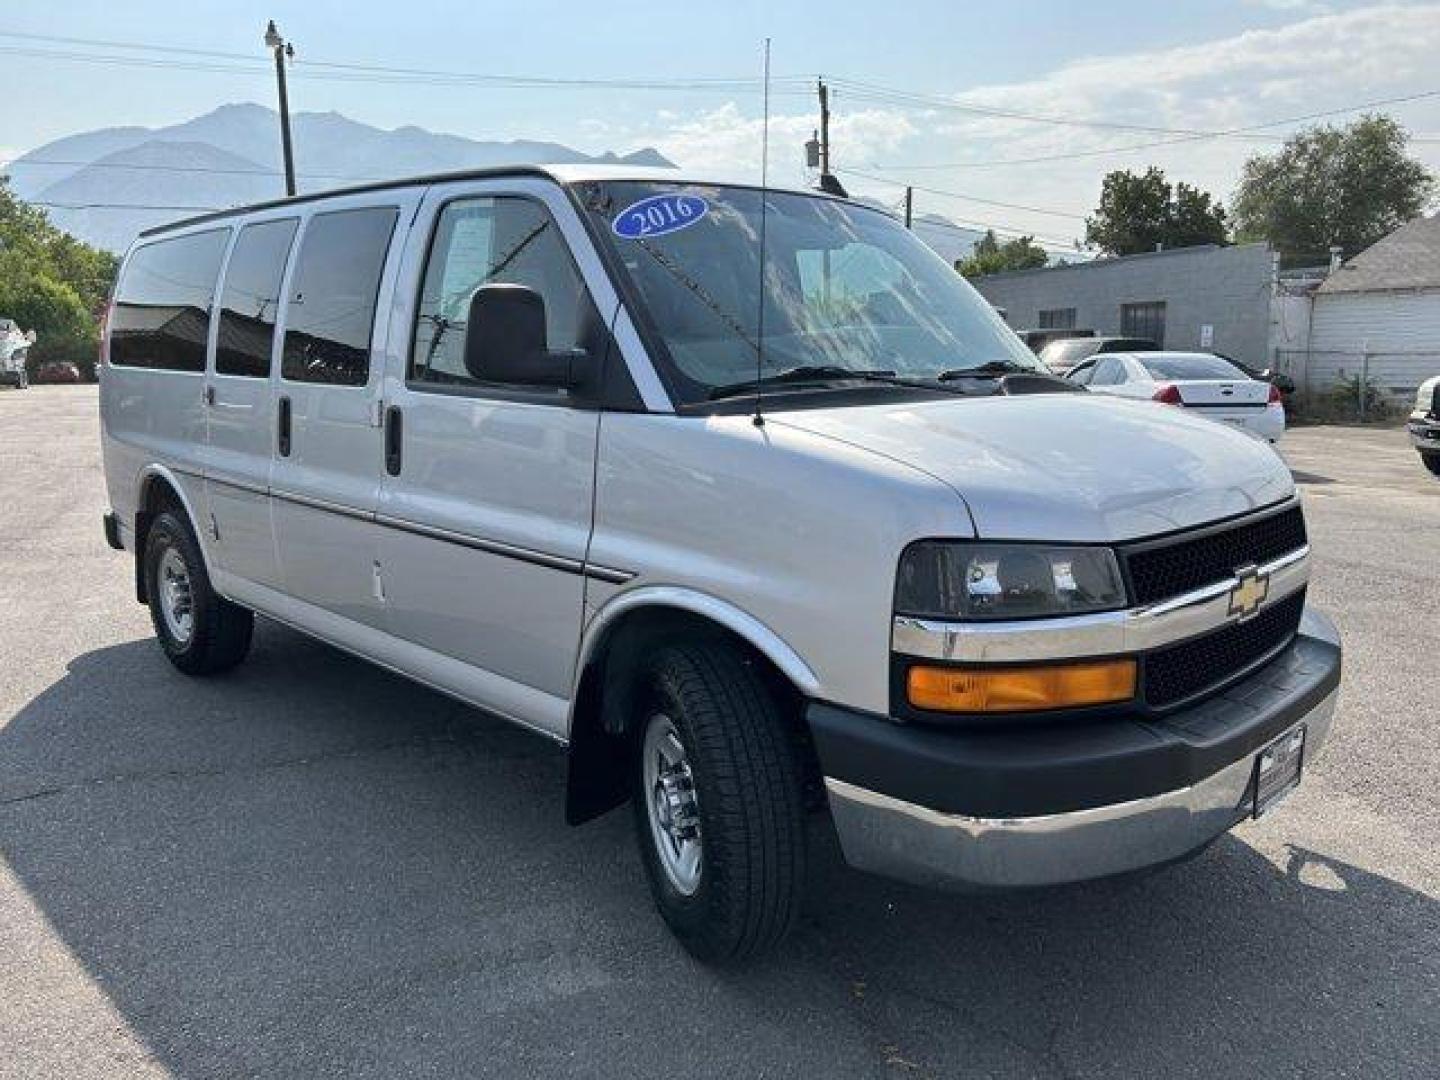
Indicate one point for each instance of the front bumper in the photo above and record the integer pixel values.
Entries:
(1001, 809)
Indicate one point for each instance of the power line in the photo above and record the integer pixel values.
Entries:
(871, 92)
(966, 198)
(204, 169)
(241, 63)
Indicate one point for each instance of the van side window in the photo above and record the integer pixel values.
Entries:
(481, 241)
(250, 299)
(162, 307)
(335, 287)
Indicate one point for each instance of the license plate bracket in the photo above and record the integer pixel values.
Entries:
(1278, 768)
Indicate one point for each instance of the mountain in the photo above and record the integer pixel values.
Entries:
(231, 156)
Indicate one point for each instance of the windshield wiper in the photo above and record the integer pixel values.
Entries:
(980, 371)
(806, 373)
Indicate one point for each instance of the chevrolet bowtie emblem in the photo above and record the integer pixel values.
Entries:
(1251, 588)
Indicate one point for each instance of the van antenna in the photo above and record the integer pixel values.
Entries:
(757, 419)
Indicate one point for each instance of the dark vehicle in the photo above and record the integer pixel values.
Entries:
(1061, 356)
(58, 372)
(1038, 339)
(1424, 425)
(1281, 381)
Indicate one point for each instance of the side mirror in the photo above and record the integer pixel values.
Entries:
(505, 340)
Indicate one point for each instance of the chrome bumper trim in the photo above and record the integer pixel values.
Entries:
(900, 840)
(1103, 634)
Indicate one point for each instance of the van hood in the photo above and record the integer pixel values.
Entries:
(1067, 467)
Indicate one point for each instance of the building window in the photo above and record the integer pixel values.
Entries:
(1060, 318)
(1144, 321)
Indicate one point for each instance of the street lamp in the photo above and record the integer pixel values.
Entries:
(283, 51)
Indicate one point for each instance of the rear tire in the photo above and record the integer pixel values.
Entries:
(201, 632)
(1431, 460)
(718, 801)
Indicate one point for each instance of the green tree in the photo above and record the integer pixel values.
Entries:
(993, 257)
(36, 301)
(51, 283)
(1332, 185)
(1141, 211)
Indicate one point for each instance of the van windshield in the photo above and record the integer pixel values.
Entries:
(851, 298)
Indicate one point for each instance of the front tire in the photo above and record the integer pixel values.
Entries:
(1431, 460)
(200, 631)
(717, 795)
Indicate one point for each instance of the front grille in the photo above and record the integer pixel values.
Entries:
(1169, 569)
(1181, 671)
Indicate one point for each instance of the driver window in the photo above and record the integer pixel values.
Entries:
(481, 241)
(1084, 373)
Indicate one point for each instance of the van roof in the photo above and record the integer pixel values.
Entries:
(561, 174)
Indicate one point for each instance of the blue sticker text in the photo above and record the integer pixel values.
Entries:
(658, 215)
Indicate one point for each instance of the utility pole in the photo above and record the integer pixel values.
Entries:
(824, 127)
(909, 205)
(283, 51)
(828, 182)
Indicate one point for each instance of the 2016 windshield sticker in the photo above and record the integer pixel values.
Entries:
(658, 215)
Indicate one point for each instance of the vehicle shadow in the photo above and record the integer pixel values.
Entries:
(311, 866)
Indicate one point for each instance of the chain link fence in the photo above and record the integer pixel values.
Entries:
(1365, 386)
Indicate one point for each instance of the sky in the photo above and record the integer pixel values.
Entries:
(915, 84)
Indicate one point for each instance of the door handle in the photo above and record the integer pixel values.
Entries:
(210, 394)
(394, 440)
(284, 426)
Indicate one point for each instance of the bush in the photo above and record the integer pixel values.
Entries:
(1345, 398)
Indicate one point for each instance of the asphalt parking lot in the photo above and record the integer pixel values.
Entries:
(311, 867)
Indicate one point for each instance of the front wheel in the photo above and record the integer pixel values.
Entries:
(717, 795)
(201, 632)
(1431, 460)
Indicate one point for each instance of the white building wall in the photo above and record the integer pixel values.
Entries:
(1400, 332)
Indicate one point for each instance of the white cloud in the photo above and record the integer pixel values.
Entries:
(1312, 65)
(1316, 63)
(1290, 5)
(727, 140)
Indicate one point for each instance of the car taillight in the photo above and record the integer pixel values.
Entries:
(1166, 394)
(100, 351)
(1274, 398)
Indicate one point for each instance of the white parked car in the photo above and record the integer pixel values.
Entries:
(753, 547)
(14, 351)
(1211, 385)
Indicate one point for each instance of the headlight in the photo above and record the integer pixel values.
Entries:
(948, 579)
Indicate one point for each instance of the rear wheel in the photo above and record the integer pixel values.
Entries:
(1432, 460)
(201, 632)
(717, 795)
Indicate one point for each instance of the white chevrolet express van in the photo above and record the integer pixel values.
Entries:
(748, 500)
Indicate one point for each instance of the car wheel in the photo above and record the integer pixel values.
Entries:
(201, 632)
(717, 796)
(1431, 460)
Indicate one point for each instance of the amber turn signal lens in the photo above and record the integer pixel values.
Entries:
(1021, 689)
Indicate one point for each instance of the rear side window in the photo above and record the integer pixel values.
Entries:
(251, 298)
(1192, 367)
(1108, 372)
(162, 307)
(332, 299)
